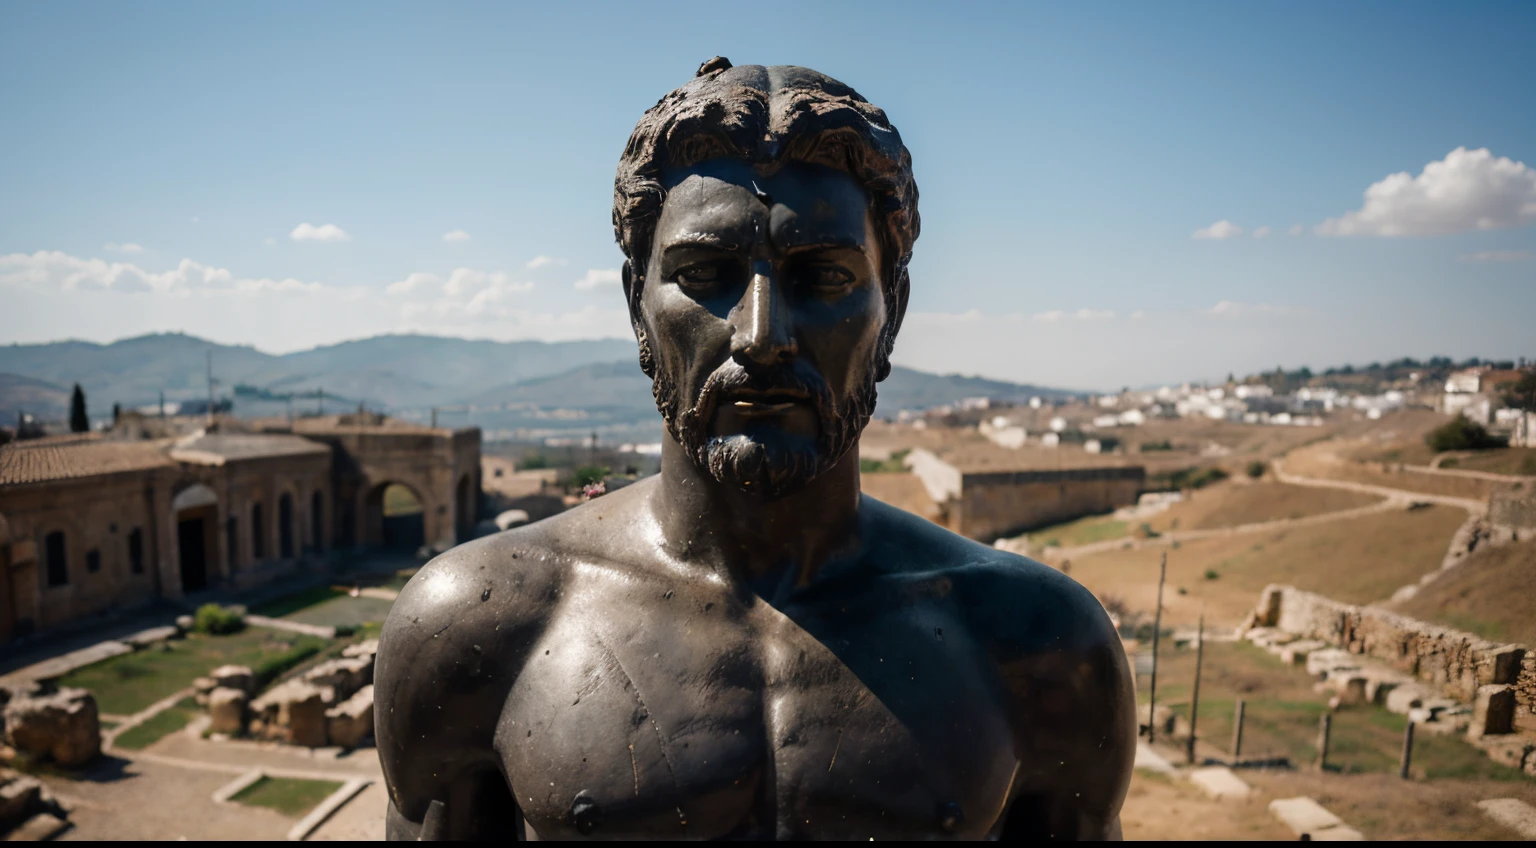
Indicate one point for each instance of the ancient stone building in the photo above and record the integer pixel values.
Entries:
(986, 492)
(89, 523)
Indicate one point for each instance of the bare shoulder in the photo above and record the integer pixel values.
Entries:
(1008, 597)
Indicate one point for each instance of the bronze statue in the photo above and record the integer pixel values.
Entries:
(743, 646)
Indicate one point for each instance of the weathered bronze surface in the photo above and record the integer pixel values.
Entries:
(743, 645)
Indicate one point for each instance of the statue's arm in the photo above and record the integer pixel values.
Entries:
(1072, 703)
(446, 661)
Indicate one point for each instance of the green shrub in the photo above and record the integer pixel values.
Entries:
(1460, 433)
(1257, 468)
(1149, 447)
(216, 620)
(589, 474)
(1211, 574)
(1195, 478)
(272, 669)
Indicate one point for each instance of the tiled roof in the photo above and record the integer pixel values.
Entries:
(29, 462)
(219, 448)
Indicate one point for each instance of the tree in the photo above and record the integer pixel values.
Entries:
(79, 422)
(117, 412)
(1521, 394)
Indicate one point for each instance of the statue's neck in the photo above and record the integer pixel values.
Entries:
(767, 545)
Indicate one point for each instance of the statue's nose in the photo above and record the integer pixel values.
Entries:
(763, 330)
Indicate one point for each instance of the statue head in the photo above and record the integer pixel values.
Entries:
(767, 216)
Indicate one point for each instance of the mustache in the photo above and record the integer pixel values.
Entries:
(794, 377)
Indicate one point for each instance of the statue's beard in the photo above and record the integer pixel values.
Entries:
(769, 465)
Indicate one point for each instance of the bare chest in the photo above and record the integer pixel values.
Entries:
(702, 719)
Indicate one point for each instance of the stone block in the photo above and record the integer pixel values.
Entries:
(39, 828)
(350, 723)
(20, 795)
(1512, 813)
(1340, 833)
(226, 710)
(1304, 816)
(365, 648)
(234, 677)
(1377, 688)
(1493, 710)
(1507, 749)
(1407, 697)
(1350, 689)
(1505, 662)
(185, 623)
(1296, 653)
(294, 712)
(1220, 783)
(204, 685)
(1323, 661)
(64, 726)
(145, 638)
(345, 675)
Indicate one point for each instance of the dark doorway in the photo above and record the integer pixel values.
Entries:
(316, 524)
(193, 547)
(285, 526)
(464, 508)
(258, 533)
(402, 519)
(58, 569)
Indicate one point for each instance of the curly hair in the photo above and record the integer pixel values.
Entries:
(769, 116)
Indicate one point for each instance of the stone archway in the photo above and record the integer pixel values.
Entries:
(195, 509)
(394, 517)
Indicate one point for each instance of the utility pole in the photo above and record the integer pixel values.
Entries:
(320, 401)
(210, 386)
(162, 404)
(1194, 701)
(1157, 626)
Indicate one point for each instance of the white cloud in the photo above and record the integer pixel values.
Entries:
(1094, 314)
(1235, 308)
(1496, 256)
(325, 232)
(1467, 190)
(541, 260)
(596, 277)
(1050, 317)
(1260, 232)
(1295, 229)
(1056, 315)
(269, 241)
(126, 247)
(52, 270)
(51, 295)
(456, 235)
(1219, 230)
(1138, 315)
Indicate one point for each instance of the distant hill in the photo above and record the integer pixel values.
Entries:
(392, 372)
(499, 385)
(36, 397)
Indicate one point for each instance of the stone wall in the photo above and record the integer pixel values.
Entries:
(999, 504)
(1454, 661)
(1513, 508)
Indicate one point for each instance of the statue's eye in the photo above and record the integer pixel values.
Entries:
(828, 278)
(699, 276)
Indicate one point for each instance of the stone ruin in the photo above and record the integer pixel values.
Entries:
(36, 723)
(60, 725)
(1445, 680)
(329, 704)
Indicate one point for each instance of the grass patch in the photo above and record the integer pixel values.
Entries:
(158, 726)
(290, 796)
(1282, 713)
(1489, 594)
(1083, 531)
(289, 604)
(129, 683)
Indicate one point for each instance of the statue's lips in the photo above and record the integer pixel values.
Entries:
(773, 402)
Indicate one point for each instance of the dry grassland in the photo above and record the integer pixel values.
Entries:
(1358, 560)
(1159, 807)
(1491, 593)
(1361, 786)
(1327, 462)
(1236, 503)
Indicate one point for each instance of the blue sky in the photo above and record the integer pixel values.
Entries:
(160, 159)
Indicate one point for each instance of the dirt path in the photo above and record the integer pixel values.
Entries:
(1469, 504)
